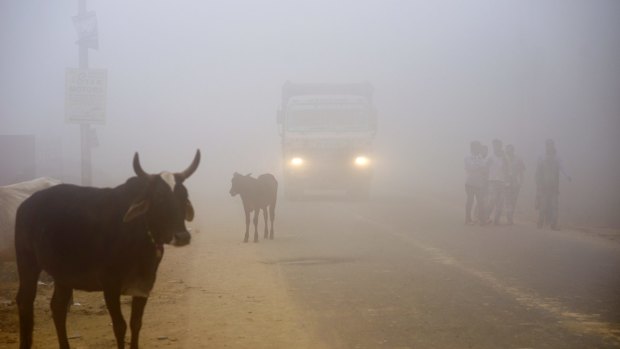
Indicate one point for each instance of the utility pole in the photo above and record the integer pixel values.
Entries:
(85, 89)
(84, 127)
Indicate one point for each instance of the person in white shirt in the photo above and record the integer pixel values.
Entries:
(516, 169)
(474, 182)
(497, 181)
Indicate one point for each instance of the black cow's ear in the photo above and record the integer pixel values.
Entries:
(189, 211)
(136, 209)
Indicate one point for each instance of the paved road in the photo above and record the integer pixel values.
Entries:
(379, 274)
(406, 274)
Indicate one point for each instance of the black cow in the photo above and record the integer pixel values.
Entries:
(256, 194)
(99, 239)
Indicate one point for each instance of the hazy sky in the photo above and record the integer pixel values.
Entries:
(203, 74)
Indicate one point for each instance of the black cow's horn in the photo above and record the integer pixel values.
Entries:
(190, 170)
(137, 168)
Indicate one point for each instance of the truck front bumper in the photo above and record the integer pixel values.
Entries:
(328, 174)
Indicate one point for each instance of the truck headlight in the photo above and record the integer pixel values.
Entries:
(362, 161)
(296, 162)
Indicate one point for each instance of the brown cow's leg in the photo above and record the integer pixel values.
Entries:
(266, 223)
(59, 306)
(137, 310)
(28, 277)
(256, 212)
(247, 225)
(113, 302)
(272, 216)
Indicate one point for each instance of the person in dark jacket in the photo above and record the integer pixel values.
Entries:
(548, 186)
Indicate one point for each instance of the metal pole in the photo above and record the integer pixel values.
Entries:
(84, 128)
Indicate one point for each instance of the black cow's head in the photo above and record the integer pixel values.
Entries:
(238, 183)
(165, 203)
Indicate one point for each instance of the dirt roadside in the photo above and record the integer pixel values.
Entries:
(215, 293)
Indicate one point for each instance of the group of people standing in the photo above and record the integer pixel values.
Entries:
(493, 183)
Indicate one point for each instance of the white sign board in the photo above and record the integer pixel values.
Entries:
(85, 95)
(86, 27)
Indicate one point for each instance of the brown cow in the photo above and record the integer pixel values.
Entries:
(257, 194)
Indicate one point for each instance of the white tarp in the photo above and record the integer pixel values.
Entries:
(11, 196)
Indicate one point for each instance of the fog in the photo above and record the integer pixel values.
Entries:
(184, 75)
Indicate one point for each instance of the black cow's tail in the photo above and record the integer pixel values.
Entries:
(27, 262)
(28, 269)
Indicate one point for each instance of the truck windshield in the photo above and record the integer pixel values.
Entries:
(320, 119)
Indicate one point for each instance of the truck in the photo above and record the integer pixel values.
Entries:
(327, 132)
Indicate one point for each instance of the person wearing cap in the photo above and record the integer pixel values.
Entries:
(548, 186)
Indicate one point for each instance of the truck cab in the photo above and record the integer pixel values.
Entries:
(327, 131)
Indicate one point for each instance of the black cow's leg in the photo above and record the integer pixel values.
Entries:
(256, 212)
(137, 310)
(113, 302)
(266, 222)
(247, 225)
(59, 305)
(28, 277)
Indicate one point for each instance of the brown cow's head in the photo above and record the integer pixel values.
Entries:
(238, 183)
(165, 202)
